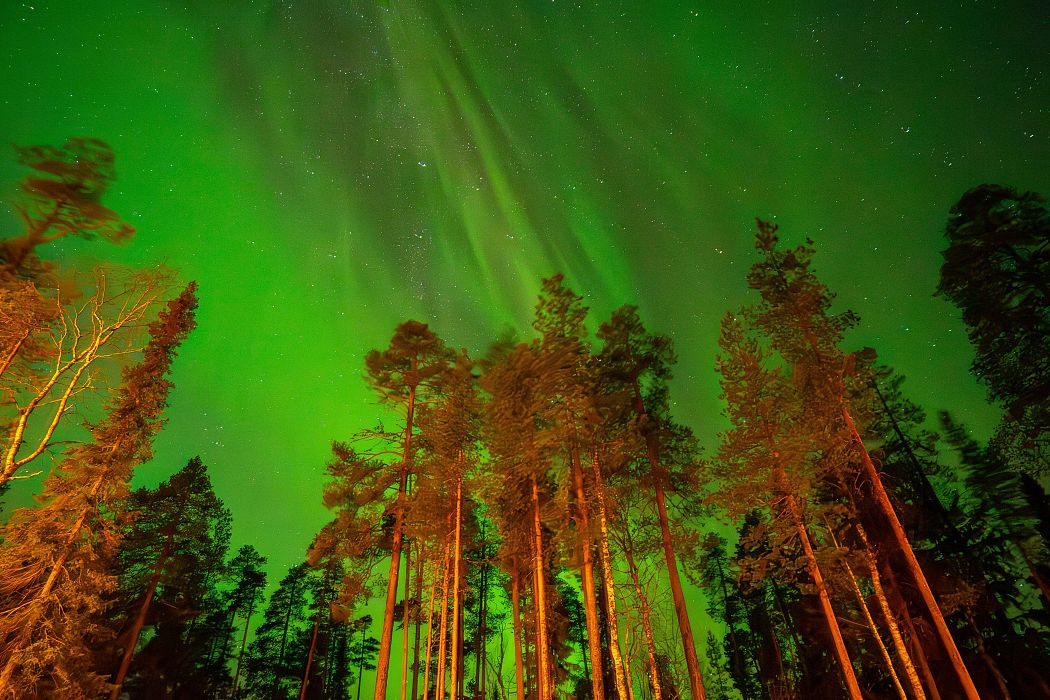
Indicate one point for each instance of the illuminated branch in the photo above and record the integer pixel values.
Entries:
(77, 350)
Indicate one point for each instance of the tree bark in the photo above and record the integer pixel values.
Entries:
(387, 635)
(543, 680)
(457, 554)
(883, 500)
(309, 659)
(244, 641)
(846, 666)
(430, 636)
(443, 626)
(419, 620)
(140, 618)
(589, 603)
(404, 622)
(866, 611)
(891, 620)
(918, 653)
(650, 642)
(607, 577)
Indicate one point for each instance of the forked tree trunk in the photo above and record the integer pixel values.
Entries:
(543, 680)
(891, 619)
(845, 665)
(607, 577)
(594, 644)
(866, 611)
(883, 500)
(387, 636)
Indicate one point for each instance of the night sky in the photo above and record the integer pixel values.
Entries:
(328, 169)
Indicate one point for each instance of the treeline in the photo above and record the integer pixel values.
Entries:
(545, 493)
(526, 518)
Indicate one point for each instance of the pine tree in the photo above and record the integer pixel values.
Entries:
(57, 556)
(635, 365)
(794, 313)
(399, 374)
(177, 543)
(764, 463)
(277, 656)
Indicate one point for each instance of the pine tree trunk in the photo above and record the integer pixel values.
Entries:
(607, 577)
(696, 682)
(685, 629)
(284, 641)
(589, 603)
(918, 653)
(419, 621)
(404, 622)
(989, 662)
(543, 678)
(443, 626)
(140, 618)
(309, 659)
(650, 642)
(866, 611)
(883, 500)
(387, 635)
(430, 636)
(456, 556)
(891, 620)
(845, 665)
(244, 641)
(515, 602)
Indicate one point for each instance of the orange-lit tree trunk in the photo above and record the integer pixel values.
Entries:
(457, 553)
(685, 629)
(443, 626)
(120, 442)
(404, 622)
(589, 602)
(387, 635)
(430, 637)
(891, 619)
(607, 577)
(543, 678)
(883, 501)
(917, 651)
(309, 659)
(866, 612)
(846, 666)
(643, 602)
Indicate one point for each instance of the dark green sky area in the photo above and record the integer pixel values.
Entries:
(328, 169)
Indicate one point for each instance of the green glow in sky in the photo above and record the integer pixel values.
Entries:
(328, 169)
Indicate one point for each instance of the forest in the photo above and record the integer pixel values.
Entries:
(532, 521)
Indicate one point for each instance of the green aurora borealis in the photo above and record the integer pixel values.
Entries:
(328, 169)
